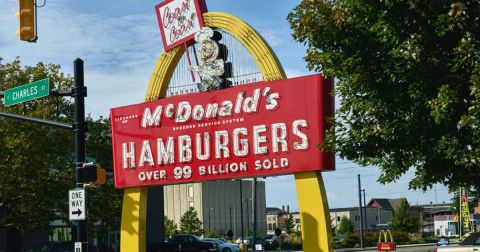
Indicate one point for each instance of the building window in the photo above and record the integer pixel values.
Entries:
(338, 218)
(297, 221)
(270, 226)
(274, 226)
(190, 191)
(190, 204)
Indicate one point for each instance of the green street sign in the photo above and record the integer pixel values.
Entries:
(26, 92)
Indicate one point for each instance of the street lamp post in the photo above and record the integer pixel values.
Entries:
(241, 211)
(230, 209)
(248, 214)
(209, 220)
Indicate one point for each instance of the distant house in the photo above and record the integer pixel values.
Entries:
(374, 219)
(274, 215)
(388, 204)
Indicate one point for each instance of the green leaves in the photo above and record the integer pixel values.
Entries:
(35, 172)
(404, 220)
(170, 227)
(345, 226)
(408, 79)
(189, 223)
(37, 167)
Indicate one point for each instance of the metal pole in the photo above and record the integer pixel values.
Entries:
(230, 218)
(365, 211)
(460, 224)
(241, 211)
(235, 222)
(254, 208)
(360, 211)
(79, 93)
(248, 216)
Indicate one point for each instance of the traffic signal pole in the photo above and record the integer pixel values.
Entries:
(79, 94)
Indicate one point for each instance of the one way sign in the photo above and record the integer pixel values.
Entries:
(76, 204)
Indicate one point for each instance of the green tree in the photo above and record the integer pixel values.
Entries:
(404, 220)
(189, 223)
(289, 224)
(345, 226)
(38, 167)
(170, 227)
(408, 79)
(104, 203)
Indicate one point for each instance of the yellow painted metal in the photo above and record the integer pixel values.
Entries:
(134, 215)
(260, 51)
(309, 185)
(314, 213)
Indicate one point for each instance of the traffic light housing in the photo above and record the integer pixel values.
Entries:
(26, 16)
(93, 174)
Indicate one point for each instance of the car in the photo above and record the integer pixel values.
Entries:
(222, 245)
(470, 244)
(443, 241)
(248, 240)
(183, 242)
(64, 246)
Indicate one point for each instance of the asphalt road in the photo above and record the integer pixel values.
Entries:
(404, 248)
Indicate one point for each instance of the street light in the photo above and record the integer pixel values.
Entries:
(248, 214)
(241, 210)
(209, 223)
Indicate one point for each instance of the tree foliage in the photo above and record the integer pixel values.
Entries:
(104, 203)
(345, 226)
(404, 220)
(289, 224)
(408, 76)
(189, 223)
(170, 227)
(38, 160)
(36, 168)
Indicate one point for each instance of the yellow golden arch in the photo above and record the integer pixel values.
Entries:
(312, 200)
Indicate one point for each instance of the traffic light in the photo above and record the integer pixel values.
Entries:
(26, 15)
(93, 174)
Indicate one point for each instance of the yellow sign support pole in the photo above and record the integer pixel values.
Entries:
(316, 228)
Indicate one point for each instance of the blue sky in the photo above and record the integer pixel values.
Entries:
(120, 43)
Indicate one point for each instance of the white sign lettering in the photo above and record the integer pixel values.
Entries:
(179, 20)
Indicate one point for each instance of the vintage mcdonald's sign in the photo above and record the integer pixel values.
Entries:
(259, 129)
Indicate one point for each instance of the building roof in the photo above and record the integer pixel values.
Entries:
(391, 204)
(273, 210)
(346, 209)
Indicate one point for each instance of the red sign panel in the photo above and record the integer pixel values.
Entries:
(259, 129)
(179, 20)
(386, 246)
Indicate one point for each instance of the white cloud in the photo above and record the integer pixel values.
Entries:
(119, 51)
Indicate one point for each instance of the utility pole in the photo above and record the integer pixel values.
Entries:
(360, 211)
(241, 211)
(365, 211)
(79, 93)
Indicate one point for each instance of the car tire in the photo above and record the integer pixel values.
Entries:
(226, 250)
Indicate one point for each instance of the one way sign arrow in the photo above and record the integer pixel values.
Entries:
(78, 212)
(76, 204)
